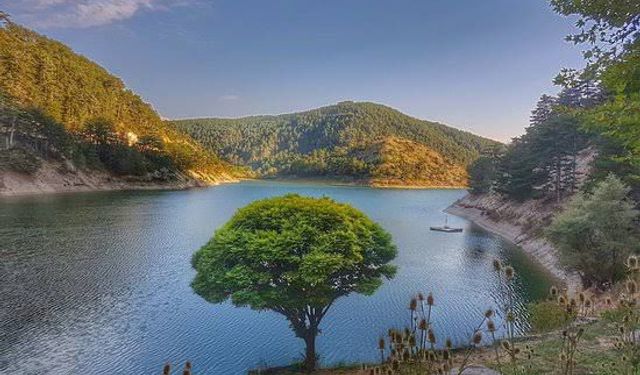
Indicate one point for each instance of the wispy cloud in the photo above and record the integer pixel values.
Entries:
(85, 13)
(229, 98)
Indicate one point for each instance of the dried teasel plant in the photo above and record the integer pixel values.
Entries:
(628, 339)
(416, 347)
(186, 370)
(567, 357)
(506, 276)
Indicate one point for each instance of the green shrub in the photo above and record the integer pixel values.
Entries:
(616, 315)
(548, 315)
(19, 160)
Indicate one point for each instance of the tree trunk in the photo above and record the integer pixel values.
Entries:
(12, 132)
(558, 172)
(310, 359)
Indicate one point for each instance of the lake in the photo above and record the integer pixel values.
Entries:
(97, 283)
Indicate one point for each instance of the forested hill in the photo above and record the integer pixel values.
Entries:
(365, 142)
(46, 89)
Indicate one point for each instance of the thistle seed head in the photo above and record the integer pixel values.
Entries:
(413, 304)
(497, 266)
(430, 300)
(422, 325)
(562, 300)
(412, 340)
(477, 338)
(491, 326)
(431, 336)
(505, 345)
(509, 272)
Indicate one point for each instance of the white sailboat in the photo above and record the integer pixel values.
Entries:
(446, 228)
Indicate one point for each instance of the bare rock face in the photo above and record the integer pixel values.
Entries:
(69, 166)
(475, 370)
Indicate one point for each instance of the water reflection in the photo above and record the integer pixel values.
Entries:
(100, 282)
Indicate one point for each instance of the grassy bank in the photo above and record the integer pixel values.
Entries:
(596, 355)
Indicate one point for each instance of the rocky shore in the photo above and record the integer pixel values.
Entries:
(56, 177)
(519, 223)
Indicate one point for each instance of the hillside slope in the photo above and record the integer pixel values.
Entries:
(58, 105)
(523, 222)
(364, 142)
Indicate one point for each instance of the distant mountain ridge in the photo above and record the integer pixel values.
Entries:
(360, 141)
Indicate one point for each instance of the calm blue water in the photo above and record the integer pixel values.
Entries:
(98, 283)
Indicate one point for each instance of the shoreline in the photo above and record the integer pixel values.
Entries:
(105, 188)
(535, 248)
(123, 185)
(56, 178)
(335, 181)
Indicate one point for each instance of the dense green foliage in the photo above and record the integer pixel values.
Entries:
(30, 134)
(608, 27)
(596, 232)
(547, 316)
(483, 172)
(598, 108)
(595, 118)
(339, 140)
(611, 32)
(294, 255)
(44, 76)
(617, 121)
(18, 160)
(543, 161)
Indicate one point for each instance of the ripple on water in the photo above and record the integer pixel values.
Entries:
(99, 282)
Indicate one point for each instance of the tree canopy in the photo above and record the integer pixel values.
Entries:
(597, 108)
(356, 140)
(43, 75)
(596, 232)
(294, 255)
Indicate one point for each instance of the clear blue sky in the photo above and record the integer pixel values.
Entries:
(478, 65)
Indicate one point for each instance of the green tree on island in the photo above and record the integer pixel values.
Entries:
(294, 255)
